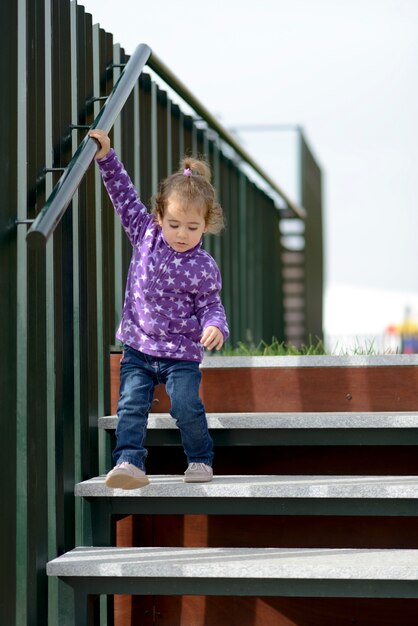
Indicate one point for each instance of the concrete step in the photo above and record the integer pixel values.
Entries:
(380, 428)
(312, 361)
(259, 495)
(241, 571)
(262, 487)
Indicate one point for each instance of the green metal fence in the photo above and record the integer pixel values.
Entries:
(60, 304)
(302, 255)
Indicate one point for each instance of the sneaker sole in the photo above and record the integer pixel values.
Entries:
(197, 480)
(122, 481)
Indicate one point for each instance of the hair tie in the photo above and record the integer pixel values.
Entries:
(187, 171)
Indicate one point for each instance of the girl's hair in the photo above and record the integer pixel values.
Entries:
(191, 184)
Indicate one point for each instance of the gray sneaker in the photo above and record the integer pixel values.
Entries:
(126, 476)
(198, 473)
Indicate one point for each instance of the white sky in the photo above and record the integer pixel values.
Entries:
(344, 70)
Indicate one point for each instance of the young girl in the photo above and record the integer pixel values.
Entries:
(172, 311)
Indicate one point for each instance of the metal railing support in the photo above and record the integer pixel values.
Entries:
(49, 217)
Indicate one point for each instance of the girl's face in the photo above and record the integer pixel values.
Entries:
(182, 229)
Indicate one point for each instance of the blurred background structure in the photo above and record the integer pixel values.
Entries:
(344, 73)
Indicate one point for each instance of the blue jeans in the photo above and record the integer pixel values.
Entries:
(139, 373)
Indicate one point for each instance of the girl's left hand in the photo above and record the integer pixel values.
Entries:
(212, 338)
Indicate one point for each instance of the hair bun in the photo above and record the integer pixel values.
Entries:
(197, 166)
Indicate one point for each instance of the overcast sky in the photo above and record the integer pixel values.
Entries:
(344, 70)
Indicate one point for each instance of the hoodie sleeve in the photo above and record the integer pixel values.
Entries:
(209, 309)
(132, 213)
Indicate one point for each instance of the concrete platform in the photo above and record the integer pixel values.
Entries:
(243, 571)
(379, 360)
(248, 495)
(269, 421)
(258, 487)
(310, 429)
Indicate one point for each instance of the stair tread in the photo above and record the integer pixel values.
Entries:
(350, 487)
(252, 563)
(320, 360)
(311, 420)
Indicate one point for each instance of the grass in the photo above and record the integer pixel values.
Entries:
(275, 348)
(313, 348)
(367, 349)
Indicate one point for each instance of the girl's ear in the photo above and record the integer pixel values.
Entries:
(159, 216)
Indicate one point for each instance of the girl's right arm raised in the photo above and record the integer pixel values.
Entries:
(133, 214)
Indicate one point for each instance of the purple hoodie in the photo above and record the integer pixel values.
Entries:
(170, 297)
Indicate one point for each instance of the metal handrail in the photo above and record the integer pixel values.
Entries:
(167, 75)
(57, 203)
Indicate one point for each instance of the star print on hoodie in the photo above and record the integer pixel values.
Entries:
(170, 297)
